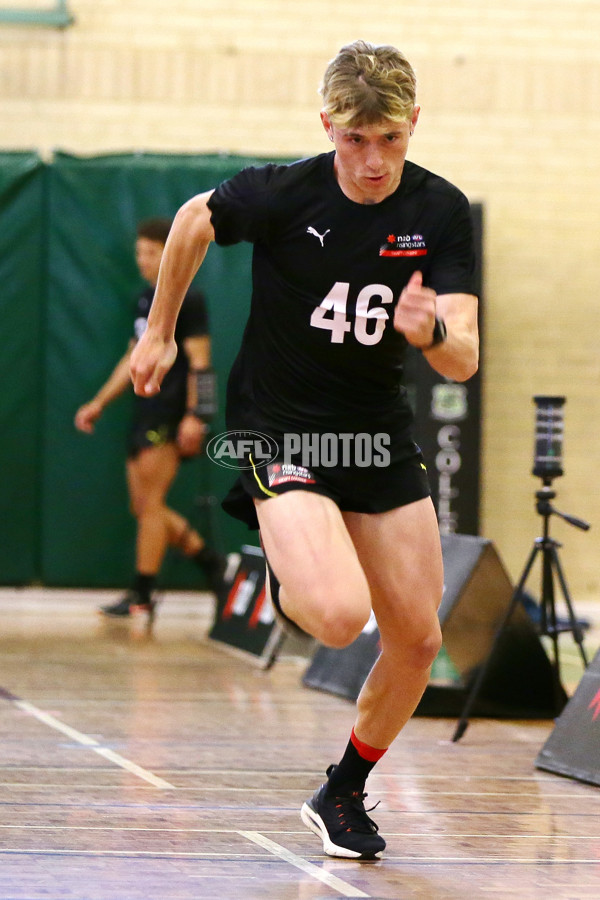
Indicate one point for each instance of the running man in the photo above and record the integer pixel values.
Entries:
(357, 254)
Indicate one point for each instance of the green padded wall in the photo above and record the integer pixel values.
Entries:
(21, 314)
(94, 204)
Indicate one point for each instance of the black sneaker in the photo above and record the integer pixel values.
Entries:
(127, 605)
(119, 610)
(342, 823)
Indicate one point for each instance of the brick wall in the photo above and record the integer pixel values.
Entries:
(510, 95)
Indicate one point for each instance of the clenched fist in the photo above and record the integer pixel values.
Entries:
(414, 315)
(151, 359)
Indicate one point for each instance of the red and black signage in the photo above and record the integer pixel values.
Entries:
(244, 616)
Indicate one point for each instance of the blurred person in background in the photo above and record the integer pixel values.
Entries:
(165, 429)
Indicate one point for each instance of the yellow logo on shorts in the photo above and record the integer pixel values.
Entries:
(157, 437)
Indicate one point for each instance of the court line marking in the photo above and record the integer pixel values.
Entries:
(207, 789)
(87, 741)
(427, 861)
(414, 776)
(414, 835)
(332, 881)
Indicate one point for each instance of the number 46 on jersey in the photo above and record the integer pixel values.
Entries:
(369, 321)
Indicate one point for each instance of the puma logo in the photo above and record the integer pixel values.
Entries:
(311, 230)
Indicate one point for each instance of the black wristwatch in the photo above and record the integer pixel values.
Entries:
(439, 333)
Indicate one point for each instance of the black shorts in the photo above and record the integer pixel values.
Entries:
(151, 431)
(352, 488)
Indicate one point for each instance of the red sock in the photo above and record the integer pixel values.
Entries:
(372, 754)
(355, 765)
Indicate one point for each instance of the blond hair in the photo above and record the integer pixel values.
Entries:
(366, 83)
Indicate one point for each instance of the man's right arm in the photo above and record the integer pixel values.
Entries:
(186, 247)
(118, 381)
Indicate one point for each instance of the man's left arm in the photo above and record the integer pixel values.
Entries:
(457, 356)
(443, 327)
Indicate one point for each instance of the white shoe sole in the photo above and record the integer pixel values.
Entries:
(315, 823)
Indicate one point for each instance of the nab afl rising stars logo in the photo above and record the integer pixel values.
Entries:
(404, 245)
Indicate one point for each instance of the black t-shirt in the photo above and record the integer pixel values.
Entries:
(171, 400)
(319, 352)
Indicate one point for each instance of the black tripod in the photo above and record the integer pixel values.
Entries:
(551, 567)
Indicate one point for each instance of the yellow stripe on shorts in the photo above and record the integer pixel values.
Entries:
(259, 482)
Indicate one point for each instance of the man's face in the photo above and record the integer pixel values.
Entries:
(148, 255)
(369, 159)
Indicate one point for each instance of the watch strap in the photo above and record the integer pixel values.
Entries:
(439, 335)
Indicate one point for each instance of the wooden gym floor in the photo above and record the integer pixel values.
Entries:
(162, 767)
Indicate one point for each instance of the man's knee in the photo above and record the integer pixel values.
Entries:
(413, 644)
(427, 650)
(422, 648)
(147, 507)
(135, 506)
(139, 505)
(342, 621)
